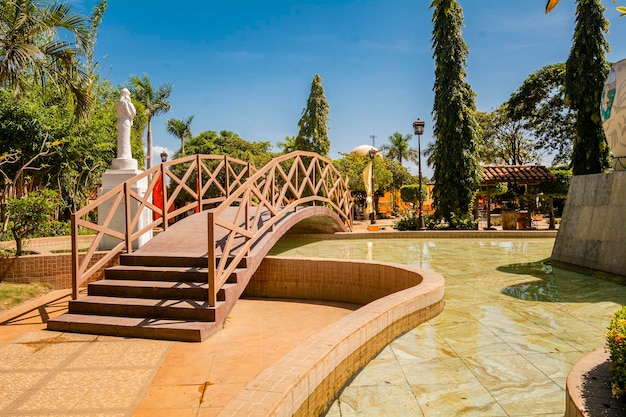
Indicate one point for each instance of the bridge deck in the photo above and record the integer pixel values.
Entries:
(188, 237)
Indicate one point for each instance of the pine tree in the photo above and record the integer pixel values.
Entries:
(312, 126)
(454, 157)
(586, 72)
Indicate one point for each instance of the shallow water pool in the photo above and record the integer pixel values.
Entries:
(511, 330)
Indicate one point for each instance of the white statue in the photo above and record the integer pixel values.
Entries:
(125, 114)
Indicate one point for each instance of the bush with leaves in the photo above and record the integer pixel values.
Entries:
(30, 213)
(616, 344)
(431, 222)
(407, 223)
(411, 193)
(454, 223)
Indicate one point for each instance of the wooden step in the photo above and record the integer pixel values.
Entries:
(164, 273)
(147, 328)
(188, 290)
(155, 296)
(169, 260)
(159, 260)
(152, 273)
(198, 310)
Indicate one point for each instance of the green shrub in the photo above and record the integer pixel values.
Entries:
(616, 344)
(455, 223)
(30, 213)
(407, 223)
(410, 222)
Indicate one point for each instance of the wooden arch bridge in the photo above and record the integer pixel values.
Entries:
(181, 284)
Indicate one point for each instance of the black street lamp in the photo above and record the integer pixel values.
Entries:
(163, 156)
(418, 129)
(372, 152)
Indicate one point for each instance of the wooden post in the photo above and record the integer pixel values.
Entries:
(75, 258)
(211, 259)
(272, 177)
(129, 243)
(313, 179)
(164, 197)
(199, 182)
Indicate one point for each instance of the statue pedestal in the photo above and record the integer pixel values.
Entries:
(111, 179)
(124, 164)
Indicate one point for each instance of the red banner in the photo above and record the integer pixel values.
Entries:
(157, 196)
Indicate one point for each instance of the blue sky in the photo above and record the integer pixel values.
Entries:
(247, 65)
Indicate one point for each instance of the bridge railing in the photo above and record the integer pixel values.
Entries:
(286, 183)
(192, 183)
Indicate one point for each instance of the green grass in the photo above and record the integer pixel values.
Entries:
(15, 294)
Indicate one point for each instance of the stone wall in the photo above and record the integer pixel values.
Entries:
(592, 233)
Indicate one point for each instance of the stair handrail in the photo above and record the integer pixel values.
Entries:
(284, 184)
(207, 180)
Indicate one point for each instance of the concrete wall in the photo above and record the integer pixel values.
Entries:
(592, 233)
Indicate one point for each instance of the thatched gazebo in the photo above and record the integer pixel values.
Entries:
(517, 174)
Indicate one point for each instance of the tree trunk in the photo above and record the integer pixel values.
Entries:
(18, 246)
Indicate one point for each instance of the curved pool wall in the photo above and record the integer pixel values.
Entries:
(588, 392)
(306, 381)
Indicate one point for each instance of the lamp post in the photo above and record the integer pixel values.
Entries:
(372, 152)
(418, 129)
(163, 156)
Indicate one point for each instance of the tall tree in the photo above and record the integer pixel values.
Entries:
(312, 134)
(34, 44)
(155, 102)
(540, 105)
(181, 128)
(454, 157)
(399, 148)
(504, 140)
(586, 71)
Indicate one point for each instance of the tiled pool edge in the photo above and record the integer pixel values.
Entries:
(441, 234)
(306, 381)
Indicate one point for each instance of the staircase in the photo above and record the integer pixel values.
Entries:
(154, 297)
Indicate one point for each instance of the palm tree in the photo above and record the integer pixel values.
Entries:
(181, 129)
(30, 46)
(399, 148)
(155, 103)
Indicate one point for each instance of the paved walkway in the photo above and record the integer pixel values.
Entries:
(45, 373)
